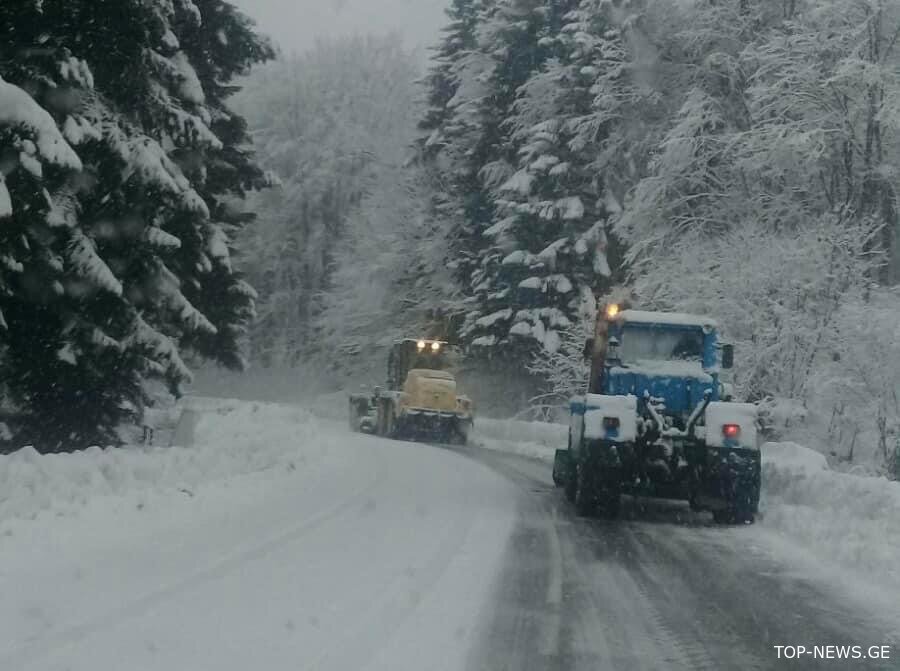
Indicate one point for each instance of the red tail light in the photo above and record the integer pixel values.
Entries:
(731, 430)
(610, 422)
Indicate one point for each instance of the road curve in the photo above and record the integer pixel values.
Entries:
(662, 589)
(383, 555)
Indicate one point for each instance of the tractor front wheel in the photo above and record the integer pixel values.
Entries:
(459, 434)
(733, 516)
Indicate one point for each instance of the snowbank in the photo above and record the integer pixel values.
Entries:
(334, 406)
(537, 440)
(848, 519)
(231, 438)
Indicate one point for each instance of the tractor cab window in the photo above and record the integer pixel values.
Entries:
(689, 347)
(642, 344)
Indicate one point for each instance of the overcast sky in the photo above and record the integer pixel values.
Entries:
(295, 24)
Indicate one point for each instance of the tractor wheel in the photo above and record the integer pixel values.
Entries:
(733, 516)
(557, 480)
(562, 467)
(355, 417)
(609, 500)
(459, 435)
(585, 494)
(692, 502)
(742, 503)
(725, 516)
(569, 488)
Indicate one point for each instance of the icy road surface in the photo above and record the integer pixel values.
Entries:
(353, 553)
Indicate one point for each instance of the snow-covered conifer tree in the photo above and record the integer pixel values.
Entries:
(119, 240)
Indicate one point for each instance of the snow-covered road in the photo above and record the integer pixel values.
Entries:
(284, 542)
(373, 554)
(662, 589)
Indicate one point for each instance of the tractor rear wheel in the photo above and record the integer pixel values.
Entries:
(609, 500)
(585, 493)
(569, 488)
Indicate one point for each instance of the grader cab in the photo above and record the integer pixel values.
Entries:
(420, 401)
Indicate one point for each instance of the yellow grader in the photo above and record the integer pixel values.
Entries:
(420, 401)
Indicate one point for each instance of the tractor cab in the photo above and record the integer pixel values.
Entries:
(409, 354)
(672, 357)
(675, 359)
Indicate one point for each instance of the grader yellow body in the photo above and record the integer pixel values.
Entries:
(421, 400)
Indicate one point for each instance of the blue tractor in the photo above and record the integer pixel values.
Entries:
(657, 421)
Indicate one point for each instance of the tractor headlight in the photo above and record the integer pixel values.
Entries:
(435, 347)
(612, 310)
(421, 345)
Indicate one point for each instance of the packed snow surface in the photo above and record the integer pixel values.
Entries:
(275, 541)
(850, 523)
(235, 439)
(852, 520)
(274, 536)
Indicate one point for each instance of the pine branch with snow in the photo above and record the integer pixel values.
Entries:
(107, 205)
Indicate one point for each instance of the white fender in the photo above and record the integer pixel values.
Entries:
(744, 415)
(600, 406)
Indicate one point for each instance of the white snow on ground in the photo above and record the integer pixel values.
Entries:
(237, 439)
(243, 549)
(536, 440)
(849, 521)
(276, 541)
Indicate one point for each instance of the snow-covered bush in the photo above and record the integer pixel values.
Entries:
(853, 396)
(345, 227)
(564, 370)
(777, 296)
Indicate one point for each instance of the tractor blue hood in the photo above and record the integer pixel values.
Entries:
(681, 383)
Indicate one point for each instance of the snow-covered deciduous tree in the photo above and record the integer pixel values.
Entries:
(565, 370)
(777, 296)
(768, 201)
(336, 125)
(853, 402)
(388, 275)
(117, 153)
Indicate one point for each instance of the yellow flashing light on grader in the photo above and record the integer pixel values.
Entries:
(421, 401)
